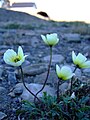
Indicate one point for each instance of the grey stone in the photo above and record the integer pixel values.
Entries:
(34, 42)
(22, 42)
(2, 90)
(55, 58)
(70, 37)
(3, 98)
(86, 37)
(35, 69)
(1, 38)
(64, 87)
(12, 94)
(18, 91)
(26, 63)
(78, 73)
(34, 88)
(28, 33)
(12, 78)
(2, 115)
(52, 79)
(87, 72)
(86, 50)
(2, 51)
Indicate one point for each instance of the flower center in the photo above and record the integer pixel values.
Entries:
(16, 59)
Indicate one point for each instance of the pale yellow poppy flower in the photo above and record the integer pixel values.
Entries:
(80, 60)
(15, 59)
(50, 39)
(64, 73)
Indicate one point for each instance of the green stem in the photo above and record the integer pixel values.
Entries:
(47, 73)
(22, 75)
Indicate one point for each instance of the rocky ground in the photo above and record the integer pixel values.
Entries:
(20, 29)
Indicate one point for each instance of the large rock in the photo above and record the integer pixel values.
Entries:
(36, 69)
(55, 58)
(25, 95)
(52, 79)
(70, 37)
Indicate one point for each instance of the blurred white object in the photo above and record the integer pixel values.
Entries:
(60, 10)
(1, 3)
(73, 95)
(23, 6)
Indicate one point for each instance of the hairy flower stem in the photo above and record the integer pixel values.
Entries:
(58, 91)
(72, 80)
(22, 75)
(47, 73)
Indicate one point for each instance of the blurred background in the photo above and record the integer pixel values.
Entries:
(58, 10)
(24, 28)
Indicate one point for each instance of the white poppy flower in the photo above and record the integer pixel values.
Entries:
(64, 73)
(80, 60)
(13, 58)
(50, 39)
(73, 95)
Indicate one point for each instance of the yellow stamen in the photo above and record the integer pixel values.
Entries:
(16, 59)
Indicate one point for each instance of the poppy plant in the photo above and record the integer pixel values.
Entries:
(80, 60)
(13, 58)
(50, 39)
(64, 73)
